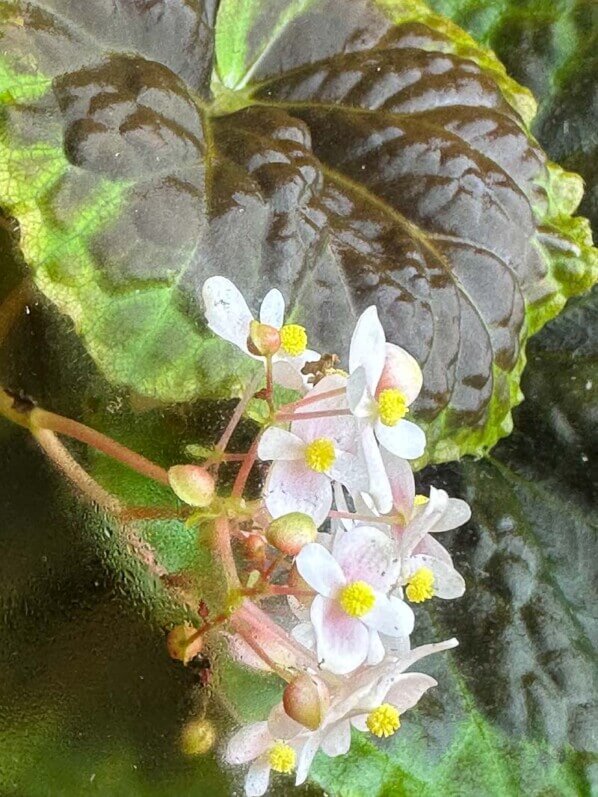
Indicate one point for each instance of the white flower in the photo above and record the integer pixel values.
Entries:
(355, 700)
(352, 607)
(309, 456)
(230, 318)
(427, 569)
(384, 381)
(268, 746)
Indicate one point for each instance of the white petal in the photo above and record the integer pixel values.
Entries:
(457, 513)
(390, 616)
(360, 722)
(402, 483)
(337, 740)
(430, 546)
(342, 641)
(272, 309)
(318, 567)
(248, 743)
(404, 440)
(305, 635)
(277, 443)
(408, 690)
(257, 779)
(405, 660)
(448, 583)
(359, 397)
(227, 313)
(378, 482)
(376, 650)
(293, 487)
(286, 374)
(368, 347)
(367, 554)
(349, 470)
(305, 755)
(402, 372)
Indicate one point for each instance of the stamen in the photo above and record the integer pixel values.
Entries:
(320, 454)
(294, 339)
(282, 758)
(357, 598)
(420, 586)
(383, 721)
(392, 406)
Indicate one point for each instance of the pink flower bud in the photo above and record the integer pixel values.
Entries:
(306, 700)
(291, 532)
(263, 339)
(183, 644)
(192, 484)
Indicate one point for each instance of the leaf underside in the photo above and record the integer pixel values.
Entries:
(369, 153)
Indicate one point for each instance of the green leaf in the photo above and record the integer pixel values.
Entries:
(369, 153)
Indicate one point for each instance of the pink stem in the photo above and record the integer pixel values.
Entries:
(304, 416)
(328, 394)
(245, 469)
(223, 548)
(238, 413)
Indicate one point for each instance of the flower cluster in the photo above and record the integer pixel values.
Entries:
(339, 538)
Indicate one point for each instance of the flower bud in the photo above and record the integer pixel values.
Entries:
(306, 700)
(263, 339)
(183, 644)
(198, 737)
(192, 484)
(291, 532)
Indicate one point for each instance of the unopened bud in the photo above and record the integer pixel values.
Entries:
(306, 700)
(183, 643)
(263, 339)
(291, 532)
(198, 737)
(192, 484)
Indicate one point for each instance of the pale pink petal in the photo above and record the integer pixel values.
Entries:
(390, 616)
(456, 513)
(378, 482)
(293, 487)
(342, 641)
(258, 778)
(305, 635)
(402, 372)
(376, 650)
(226, 310)
(404, 440)
(277, 443)
(424, 520)
(408, 689)
(368, 347)
(367, 554)
(349, 470)
(337, 740)
(448, 583)
(402, 483)
(286, 374)
(405, 660)
(248, 743)
(318, 567)
(272, 309)
(430, 546)
(305, 756)
(359, 397)
(360, 722)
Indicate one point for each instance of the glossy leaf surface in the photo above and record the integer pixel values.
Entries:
(347, 156)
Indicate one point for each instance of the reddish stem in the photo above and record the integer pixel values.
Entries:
(303, 402)
(223, 547)
(305, 416)
(245, 469)
(57, 423)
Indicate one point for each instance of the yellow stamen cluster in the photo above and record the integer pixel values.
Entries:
(357, 598)
(420, 586)
(421, 500)
(282, 758)
(383, 721)
(320, 454)
(294, 339)
(392, 406)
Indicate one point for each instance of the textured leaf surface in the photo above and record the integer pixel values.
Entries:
(369, 153)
